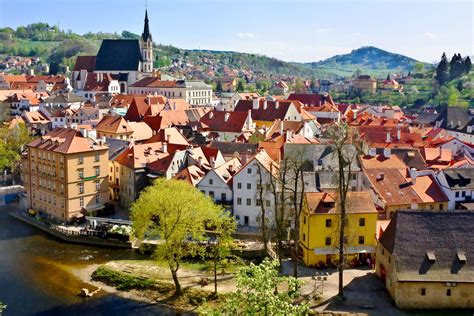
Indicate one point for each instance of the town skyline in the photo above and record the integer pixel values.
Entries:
(415, 33)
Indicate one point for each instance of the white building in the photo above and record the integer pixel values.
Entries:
(246, 190)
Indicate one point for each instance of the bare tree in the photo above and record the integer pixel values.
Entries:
(341, 139)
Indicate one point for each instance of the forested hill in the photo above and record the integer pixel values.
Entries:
(61, 48)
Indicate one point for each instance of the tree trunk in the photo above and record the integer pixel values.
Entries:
(215, 275)
(174, 274)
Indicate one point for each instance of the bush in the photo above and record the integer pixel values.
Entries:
(121, 280)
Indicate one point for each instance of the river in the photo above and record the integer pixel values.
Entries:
(36, 278)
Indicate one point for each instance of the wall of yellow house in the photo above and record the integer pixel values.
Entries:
(261, 124)
(391, 209)
(313, 234)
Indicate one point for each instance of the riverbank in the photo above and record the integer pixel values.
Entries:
(151, 282)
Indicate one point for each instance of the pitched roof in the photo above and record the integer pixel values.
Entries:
(270, 112)
(140, 155)
(85, 63)
(114, 124)
(219, 121)
(448, 235)
(171, 135)
(119, 55)
(460, 178)
(65, 140)
(97, 82)
(141, 131)
(156, 82)
(329, 202)
(311, 99)
(35, 117)
(140, 106)
(229, 149)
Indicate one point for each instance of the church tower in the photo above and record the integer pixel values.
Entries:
(146, 44)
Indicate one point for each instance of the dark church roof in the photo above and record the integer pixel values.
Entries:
(146, 29)
(119, 55)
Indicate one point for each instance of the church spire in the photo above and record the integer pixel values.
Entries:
(146, 35)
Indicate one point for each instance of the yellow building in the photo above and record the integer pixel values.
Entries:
(425, 259)
(114, 127)
(365, 83)
(319, 228)
(66, 174)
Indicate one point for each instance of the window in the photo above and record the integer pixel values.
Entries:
(81, 188)
(304, 237)
(97, 171)
(97, 185)
(353, 176)
(97, 198)
(249, 170)
(441, 207)
(96, 158)
(223, 197)
(81, 202)
(328, 222)
(81, 173)
(423, 291)
(463, 193)
(361, 222)
(304, 220)
(328, 241)
(257, 202)
(80, 160)
(267, 202)
(211, 181)
(361, 240)
(249, 202)
(457, 194)
(246, 220)
(239, 185)
(211, 194)
(249, 186)
(239, 201)
(448, 292)
(345, 240)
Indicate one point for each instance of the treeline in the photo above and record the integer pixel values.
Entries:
(447, 71)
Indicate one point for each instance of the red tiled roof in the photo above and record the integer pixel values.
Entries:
(85, 63)
(274, 109)
(310, 99)
(154, 82)
(65, 140)
(220, 121)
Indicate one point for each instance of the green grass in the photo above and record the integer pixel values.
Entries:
(121, 280)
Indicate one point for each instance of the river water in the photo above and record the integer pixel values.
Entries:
(36, 278)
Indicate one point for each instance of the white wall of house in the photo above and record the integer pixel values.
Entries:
(213, 185)
(246, 195)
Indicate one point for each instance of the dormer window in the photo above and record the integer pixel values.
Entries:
(461, 255)
(431, 256)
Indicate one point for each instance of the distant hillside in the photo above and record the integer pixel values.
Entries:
(369, 57)
(61, 48)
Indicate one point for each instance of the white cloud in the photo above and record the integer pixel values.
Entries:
(245, 35)
(430, 36)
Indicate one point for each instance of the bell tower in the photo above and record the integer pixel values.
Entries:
(146, 43)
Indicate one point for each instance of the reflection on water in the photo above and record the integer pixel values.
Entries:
(35, 274)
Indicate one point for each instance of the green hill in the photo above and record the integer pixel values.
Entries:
(61, 48)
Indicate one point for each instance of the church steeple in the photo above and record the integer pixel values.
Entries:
(146, 35)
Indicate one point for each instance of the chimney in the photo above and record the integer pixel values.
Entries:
(265, 104)
(289, 135)
(165, 147)
(355, 114)
(148, 99)
(213, 163)
(231, 168)
(255, 103)
(372, 152)
(211, 115)
(281, 127)
(387, 152)
(399, 133)
(199, 161)
(414, 205)
(388, 139)
(167, 138)
(413, 175)
(277, 104)
(226, 116)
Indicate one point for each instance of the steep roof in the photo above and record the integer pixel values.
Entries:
(114, 124)
(311, 99)
(454, 118)
(328, 202)
(220, 121)
(85, 63)
(272, 111)
(460, 178)
(65, 140)
(119, 55)
(448, 235)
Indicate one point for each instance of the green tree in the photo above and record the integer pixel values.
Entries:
(453, 96)
(419, 68)
(259, 292)
(219, 86)
(467, 64)
(241, 85)
(442, 71)
(178, 215)
(11, 147)
(221, 249)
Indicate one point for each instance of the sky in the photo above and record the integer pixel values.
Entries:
(291, 30)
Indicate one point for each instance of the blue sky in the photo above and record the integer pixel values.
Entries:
(292, 30)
